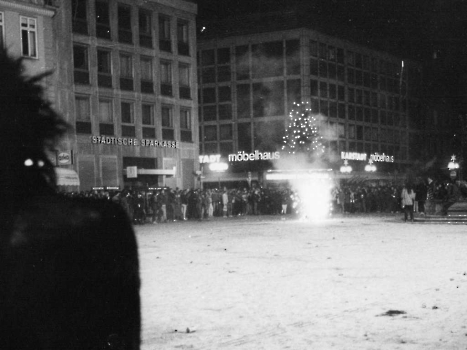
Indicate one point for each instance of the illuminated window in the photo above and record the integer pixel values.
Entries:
(28, 37)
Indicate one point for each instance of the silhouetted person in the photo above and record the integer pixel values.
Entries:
(69, 276)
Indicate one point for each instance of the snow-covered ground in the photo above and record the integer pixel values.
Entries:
(266, 283)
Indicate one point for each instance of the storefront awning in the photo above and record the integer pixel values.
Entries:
(66, 177)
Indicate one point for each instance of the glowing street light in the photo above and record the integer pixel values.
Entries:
(370, 166)
(346, 168)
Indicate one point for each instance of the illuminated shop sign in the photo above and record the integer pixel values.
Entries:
(353, 156)
(124, 141)
(243, 157)
(209, 158)
(376, 157)
(382, 158)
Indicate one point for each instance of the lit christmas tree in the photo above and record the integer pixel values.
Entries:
(301, 134)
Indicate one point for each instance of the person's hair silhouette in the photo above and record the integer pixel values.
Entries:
(69, 274)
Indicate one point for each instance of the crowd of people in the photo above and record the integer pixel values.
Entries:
(168, 204)
(420, 196)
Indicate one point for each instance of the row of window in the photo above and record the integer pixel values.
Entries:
(128, 118)
(124, 25)
(127, 64)
(28, 35)
(329, 109)
(224, 132)
(354, 59)
(323, 89)
(220, 74)
(269, 59)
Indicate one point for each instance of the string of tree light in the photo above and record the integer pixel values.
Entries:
(302, 132)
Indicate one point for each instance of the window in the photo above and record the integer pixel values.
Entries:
(104, 71)
(182, 38)
(2, 31)
(210, 133)
(81, 64)
(223, 73)
(208, 57)
(167, 123)
(127, 113)
(83, 115)
(243, 101)
(165, 43)
(106, 126)
(292, 56)
(124, 24)
(147, 112)
(185, 125)
(167, 117)
(147, 85)
(223, 55)
(105, 111)
(209, 95)
(313, 48)
(145, 28)
(225, 131)
(166, 78)
(28, 37)
(127, 117)
(242, 62)
(184, 81)
(83, 109)
(224, 93)
(185, 119)
(208, 75)
(225, 111)
(126, 72)
(79, 17)
(102, 20)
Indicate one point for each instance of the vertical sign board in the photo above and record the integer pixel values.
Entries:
(132, 172)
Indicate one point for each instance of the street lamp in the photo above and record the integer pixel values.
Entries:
(346, 168)
(370, 166)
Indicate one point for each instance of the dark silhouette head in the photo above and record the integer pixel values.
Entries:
(29, 128)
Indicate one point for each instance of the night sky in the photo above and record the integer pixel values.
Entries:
(408, 28)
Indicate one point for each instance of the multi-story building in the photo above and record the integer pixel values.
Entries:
(26, 31)
(127, 85)
(249, 81)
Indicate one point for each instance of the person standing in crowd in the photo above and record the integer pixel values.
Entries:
(407, 200)
(140, 213)
(225, 202)
(421, 194)
(430, 197)
(184, 204)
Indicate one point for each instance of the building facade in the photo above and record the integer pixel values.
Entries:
(365, 99)
(127, 85)
(26, 31)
